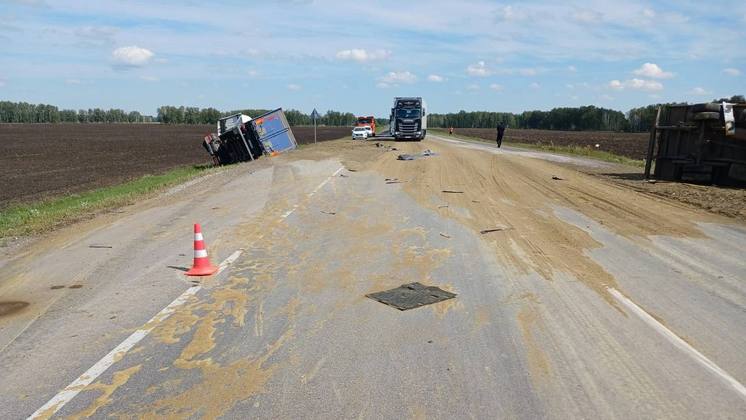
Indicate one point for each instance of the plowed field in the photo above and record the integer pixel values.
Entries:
(45, 160)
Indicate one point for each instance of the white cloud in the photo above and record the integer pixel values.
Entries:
(472, 87)
(132, 56)
(607, 97)
(435, 78)
(732, 72)
(534, 85)
(699, 92)
(637, 84)
(72, 81)
(652, 71)
(362, 56)
(572, 69)
(479, 69)
(383, 85)
(252, 73)
(294, 87)
(394, 77)
(648, 13)
(148, 78)
(496, 87)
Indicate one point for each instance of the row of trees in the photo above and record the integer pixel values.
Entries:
(190, 115)
(582, 118)
(22, 112)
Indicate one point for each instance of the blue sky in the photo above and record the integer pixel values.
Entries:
(356, 56)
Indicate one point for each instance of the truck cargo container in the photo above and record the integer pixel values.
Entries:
(703, 143)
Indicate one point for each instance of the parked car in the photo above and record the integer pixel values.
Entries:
(369, 129)
(360, 133)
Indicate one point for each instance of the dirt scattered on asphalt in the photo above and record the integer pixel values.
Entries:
(509, 190)
(119, 378)
(12, 307)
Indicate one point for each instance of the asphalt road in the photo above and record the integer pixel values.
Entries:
(589, 301)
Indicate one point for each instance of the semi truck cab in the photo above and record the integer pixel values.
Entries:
(408, 119)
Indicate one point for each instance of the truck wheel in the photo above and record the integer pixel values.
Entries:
(703, 116)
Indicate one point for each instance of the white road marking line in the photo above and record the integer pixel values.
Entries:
(309, 195)
(72, 390)
(678, 342)
(230, 260)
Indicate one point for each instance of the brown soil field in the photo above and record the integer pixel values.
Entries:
(39, 161)
(631, 145)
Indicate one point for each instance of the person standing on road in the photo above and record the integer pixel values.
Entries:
(450, 131)
(500, 134)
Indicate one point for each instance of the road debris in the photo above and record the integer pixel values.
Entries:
(411, 295)
(496, 229)
(329, 212)
(444, 235)
(556, 178)
(100, 246)
(343, 176)
(75, 286)
(443, 206)
(426, 153)
(452, 192)
(57, 287)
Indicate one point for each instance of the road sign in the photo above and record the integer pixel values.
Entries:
(315, 116)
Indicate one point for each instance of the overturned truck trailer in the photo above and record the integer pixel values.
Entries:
(240, 138)
(699, 143)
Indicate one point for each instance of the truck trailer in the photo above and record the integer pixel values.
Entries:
(408, 119)
(240, 138)
(704, 143)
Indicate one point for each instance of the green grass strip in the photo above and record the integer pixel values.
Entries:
(37, 217)
(584, 151)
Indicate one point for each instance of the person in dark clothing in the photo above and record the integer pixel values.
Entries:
(500, 134)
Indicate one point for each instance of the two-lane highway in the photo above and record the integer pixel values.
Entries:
(580, 299)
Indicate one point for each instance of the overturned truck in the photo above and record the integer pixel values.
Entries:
(703, 143)
(240, 138)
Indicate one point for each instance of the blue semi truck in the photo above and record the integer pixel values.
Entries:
(240, 138)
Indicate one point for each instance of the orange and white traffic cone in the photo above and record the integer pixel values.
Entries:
(202, 265)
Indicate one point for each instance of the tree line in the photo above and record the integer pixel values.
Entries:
(581, 118)
(22, 112)
(578, 118)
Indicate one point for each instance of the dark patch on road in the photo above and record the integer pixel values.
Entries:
(11, 307)
(412, 295)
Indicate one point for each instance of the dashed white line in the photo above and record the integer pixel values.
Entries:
(679, 343)
(76, 386)
(309, 195)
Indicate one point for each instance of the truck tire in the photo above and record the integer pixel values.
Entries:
(704, 116)
(708, 107)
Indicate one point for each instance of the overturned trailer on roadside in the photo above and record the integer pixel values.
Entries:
(240, 138)
(699, 143)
